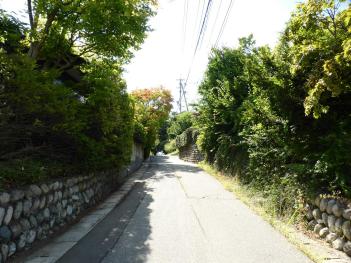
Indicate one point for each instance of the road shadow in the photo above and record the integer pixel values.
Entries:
(133, 245)
(123, 235)
(112, 239)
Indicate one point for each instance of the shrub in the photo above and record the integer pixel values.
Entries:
(170, 146)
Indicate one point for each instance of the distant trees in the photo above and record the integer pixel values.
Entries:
(152, 107)
(280, 119)
(179, 123)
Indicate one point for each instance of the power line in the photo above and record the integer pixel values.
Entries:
(205, 25)
(185, 100)
(197, 14)
(185, 21)
(202, 15)
(225, 20)
(202, 26)
(204, 21)
(215, 22)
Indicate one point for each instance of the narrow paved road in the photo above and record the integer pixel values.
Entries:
(178, 213)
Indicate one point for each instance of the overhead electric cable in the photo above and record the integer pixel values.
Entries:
(202, 26)
(215, 22)
(197, 14)
(204, 21)
(225, 20)
(205, 25)
(185, 21)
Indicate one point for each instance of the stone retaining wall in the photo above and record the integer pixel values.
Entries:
(38, 210)
(329, 218)
(190, 153)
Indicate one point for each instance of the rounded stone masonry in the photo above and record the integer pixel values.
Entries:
(21, 242)
(346, 229)
(42, 202)
(347, 248)
(317, 214)
(33, 221)
(25, 224)
(46, 213)
(331, 237)
(338, 244)
(16, 195)
(324, 232)
(8, 216)
(323, 204)
(35, 190)
(312, 224)
(36, 204)
(325, 218)
(44, 188)
(329, 218)
(15, 229)
(12, 248)
(50, 199)
(2, 214)
(30, 236)
(27, 205)
(308, 211)
(338, 226)
(331, 223)
(318, 228)
(4, 198)
(4, 251)
(317, 201)
(5, 234)
(337, 210)
(330, 205)
(18, 210)
(38, 210)
(347, 214)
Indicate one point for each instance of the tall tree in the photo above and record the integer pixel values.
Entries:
(152, 107)
(105, 28)
(319, 34)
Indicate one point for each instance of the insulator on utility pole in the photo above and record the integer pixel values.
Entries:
(182, 96)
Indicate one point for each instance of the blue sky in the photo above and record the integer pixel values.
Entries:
(167, 53)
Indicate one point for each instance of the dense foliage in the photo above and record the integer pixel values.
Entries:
(152, 107)
(179, 123)
(189, 136)
(281, 120)
(63, 103)
(175, 125)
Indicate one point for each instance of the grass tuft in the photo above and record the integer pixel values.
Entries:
(262, 206)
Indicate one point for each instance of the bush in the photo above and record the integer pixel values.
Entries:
(45, 120)
(276, 118)
(63, 104)
(179, 123)
(187, 137)
(170, 146)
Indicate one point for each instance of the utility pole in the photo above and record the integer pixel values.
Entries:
(186, 102)
(182, 95)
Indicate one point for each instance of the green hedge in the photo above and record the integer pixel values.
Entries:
(189, 136)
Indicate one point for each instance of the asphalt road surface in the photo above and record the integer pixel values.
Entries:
(178, 213)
